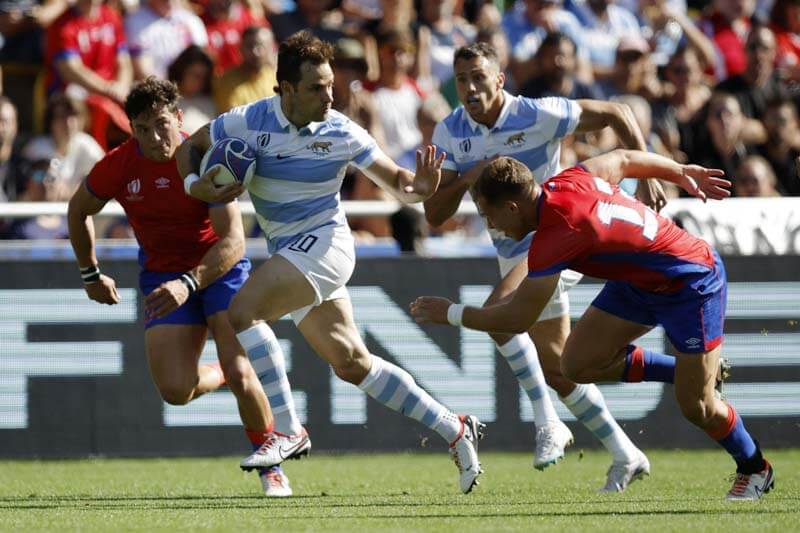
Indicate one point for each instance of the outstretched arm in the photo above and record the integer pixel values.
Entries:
(698, 181)
(596, 115)
(404, 185)
(515, 315)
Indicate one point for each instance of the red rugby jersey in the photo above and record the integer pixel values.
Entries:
(173, 229)
(593, 227)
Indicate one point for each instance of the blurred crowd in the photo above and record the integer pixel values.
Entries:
(711, 82)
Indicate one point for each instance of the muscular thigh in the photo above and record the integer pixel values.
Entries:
(550, 336)
(173, 352)
(331, 331)
(274, 289)
(598, 337)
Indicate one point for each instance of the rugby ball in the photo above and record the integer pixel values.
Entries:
(235, 159)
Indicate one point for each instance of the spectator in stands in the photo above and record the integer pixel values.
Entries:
(719, 143)
(447, 32)
(782, 148)
(11, 179)
(22, 26)
(158, 32)
(607, 23)
(526, 25)
(755, 178)
(556, 64)
(71, 153)
(727, 25)
(226, 21)
(349, 95)
(40, 186)
(633, 72)
(311, 15)
(192, 71)
(87, 56)
(684, 96)
(758, 84)
(255, 77)
(397, 96)
(784, 21)
(667, 27)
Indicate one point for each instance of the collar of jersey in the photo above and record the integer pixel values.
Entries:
(309, 129)
(508, 100)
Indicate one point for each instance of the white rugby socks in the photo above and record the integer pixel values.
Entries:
(266, 356)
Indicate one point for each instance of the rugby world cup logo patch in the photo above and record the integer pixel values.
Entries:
(465, 146)
(238, 156)
(134, 188)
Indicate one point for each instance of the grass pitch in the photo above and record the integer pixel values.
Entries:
(398, 492)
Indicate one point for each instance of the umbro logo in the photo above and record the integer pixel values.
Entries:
(693, 342)
(162, 183)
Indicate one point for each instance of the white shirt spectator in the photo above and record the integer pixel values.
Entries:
(162, 39)
(397, 111)
(68, 169)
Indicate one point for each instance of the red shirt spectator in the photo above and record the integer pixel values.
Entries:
(225, 22)
(96, 36)
(728, 26)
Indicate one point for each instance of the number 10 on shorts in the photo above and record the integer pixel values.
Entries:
(303, 243)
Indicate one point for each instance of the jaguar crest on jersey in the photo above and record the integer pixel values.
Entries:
(320, 147)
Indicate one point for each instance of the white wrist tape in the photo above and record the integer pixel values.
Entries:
(455, 313)
(187, 182)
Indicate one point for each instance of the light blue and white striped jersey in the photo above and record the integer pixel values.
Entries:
(527, 129)
(299, 172)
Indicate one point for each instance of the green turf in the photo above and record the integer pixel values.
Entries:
(401, 492)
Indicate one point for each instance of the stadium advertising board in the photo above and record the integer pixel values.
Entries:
(72, 372)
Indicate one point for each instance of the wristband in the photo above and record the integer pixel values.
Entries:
(187, 182)
(190, 281)
(90, 274)
(455, 313)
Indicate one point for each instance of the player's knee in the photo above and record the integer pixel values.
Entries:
(352, 366)
(175, 393)
(500, 338)
(239, 315)
(238, 376)
(575, 371)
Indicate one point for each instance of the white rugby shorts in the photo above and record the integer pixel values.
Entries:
(326, 257)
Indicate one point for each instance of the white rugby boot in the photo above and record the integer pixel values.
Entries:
(464, 452)
(751, 487)
(551, 440)
(274, 482)
(276, 449)
(620, 475)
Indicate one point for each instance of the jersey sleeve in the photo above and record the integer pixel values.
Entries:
(443, 141)
(64, 42)
(363, 149)
(557, 116)
(105, 180)
(230, 124)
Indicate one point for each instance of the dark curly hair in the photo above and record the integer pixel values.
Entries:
(150, 96)
(302, 47)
